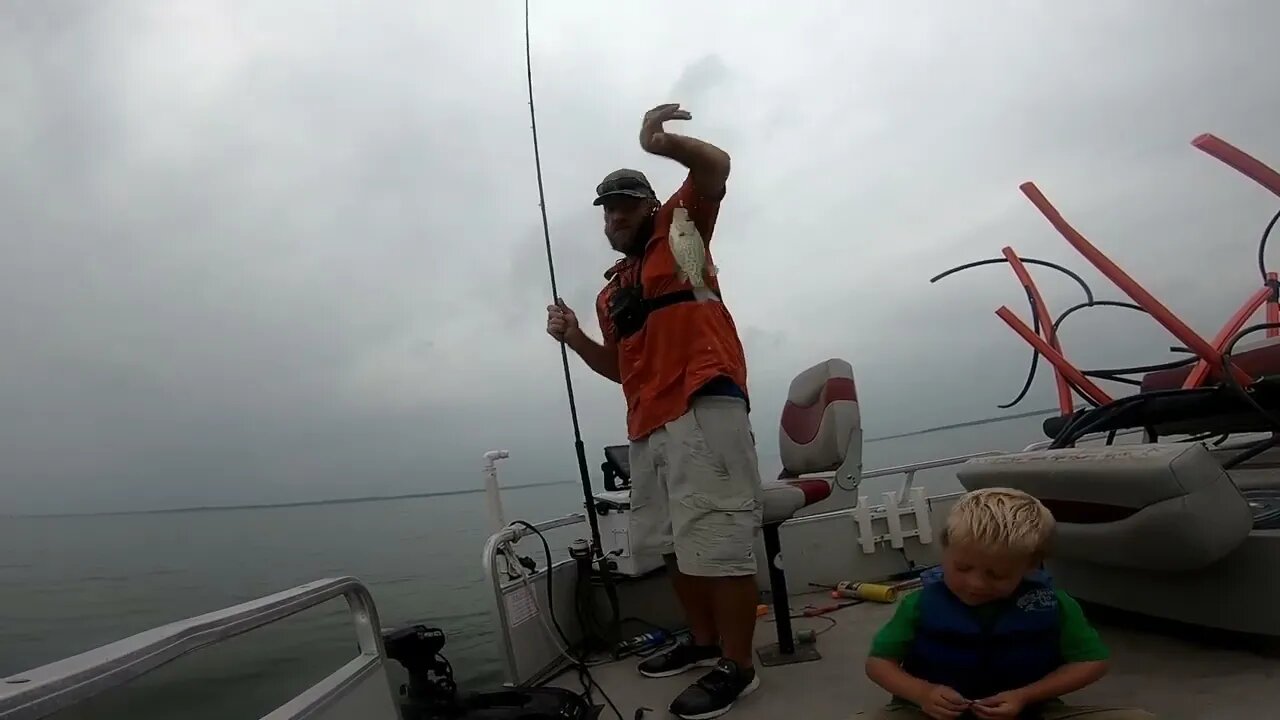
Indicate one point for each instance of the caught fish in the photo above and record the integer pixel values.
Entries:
(690, 253)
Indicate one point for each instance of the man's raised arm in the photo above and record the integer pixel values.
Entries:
(708, 165)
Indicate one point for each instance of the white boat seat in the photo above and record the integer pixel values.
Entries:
(820, 432)
(1167, 507)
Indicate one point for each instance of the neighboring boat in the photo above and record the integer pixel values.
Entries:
(1178, 525)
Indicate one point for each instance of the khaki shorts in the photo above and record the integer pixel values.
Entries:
(695, 490)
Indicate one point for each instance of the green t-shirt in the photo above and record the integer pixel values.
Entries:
(1079, 641)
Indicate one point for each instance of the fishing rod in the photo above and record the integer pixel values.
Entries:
(588, 498)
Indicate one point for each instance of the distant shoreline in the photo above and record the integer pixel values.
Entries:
(967, 423)
(300, 503)
(467, 491)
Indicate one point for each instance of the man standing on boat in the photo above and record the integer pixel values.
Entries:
(673, 346)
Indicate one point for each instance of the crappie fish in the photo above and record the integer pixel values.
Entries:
(690, 253)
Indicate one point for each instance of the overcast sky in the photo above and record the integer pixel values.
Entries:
(291, 250)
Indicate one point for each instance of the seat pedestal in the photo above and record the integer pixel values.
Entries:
(784, 651)
(783, 498)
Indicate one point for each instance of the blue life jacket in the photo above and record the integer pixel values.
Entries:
(1018, 645)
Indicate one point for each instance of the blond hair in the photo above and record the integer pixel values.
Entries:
(1000, 520)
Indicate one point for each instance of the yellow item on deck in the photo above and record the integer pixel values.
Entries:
(872, 592)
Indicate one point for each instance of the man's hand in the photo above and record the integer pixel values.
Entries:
(943, 703)
(1002, 706)
(562, 322)
(708, 165)
(652, 135)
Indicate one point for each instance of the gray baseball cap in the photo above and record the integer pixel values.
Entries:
(631, 183)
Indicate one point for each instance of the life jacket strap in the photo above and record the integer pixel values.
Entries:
(673, 298)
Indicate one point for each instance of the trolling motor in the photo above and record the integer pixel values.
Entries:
(432, 694)
(431, 691)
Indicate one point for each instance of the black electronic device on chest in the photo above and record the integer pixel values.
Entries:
(629, 309)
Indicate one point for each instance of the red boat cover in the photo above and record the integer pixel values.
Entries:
(1260, 359)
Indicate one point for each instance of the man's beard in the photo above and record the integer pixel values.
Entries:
(634, 245)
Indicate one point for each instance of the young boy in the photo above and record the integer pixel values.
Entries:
(987, 636)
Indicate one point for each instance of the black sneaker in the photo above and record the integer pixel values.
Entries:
(682, 656)
(714, 693)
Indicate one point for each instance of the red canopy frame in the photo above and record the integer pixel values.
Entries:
(1211, 355)
(1046, 322)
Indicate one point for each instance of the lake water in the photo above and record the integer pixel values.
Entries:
(68, 584)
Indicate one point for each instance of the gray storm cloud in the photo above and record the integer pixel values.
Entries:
(277, 252)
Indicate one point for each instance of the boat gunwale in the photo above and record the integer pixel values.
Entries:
(55, 686)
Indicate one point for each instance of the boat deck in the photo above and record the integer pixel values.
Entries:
(1166, 671)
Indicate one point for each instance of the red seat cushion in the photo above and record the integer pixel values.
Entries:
(814, 489)
(785, 496)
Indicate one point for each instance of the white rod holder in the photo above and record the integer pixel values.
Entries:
(492, 493)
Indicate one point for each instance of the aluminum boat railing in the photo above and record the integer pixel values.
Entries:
(359, 690)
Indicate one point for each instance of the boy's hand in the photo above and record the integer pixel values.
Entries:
(1002, 706)
(943, 703)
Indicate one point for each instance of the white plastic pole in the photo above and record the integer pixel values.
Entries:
(493, 495)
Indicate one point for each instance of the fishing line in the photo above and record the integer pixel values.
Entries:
(555, 293)
(587, 496)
